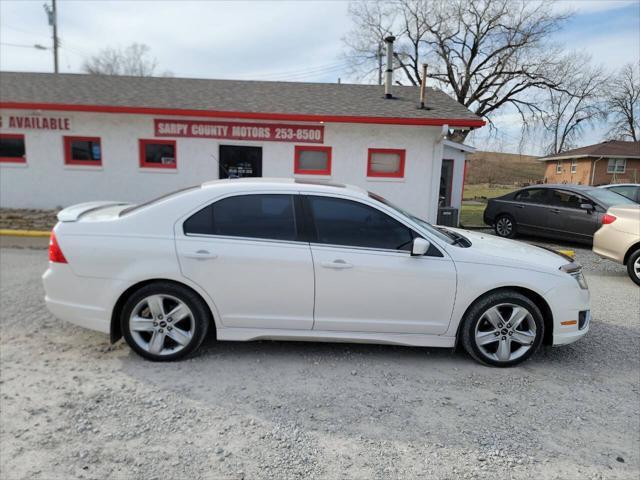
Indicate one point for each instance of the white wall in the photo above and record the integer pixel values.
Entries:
(45, 182)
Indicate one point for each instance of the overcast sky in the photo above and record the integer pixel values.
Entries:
(267, 40)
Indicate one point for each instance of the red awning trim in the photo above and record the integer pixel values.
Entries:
(453, 122)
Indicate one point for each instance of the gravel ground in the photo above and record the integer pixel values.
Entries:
(72, 406)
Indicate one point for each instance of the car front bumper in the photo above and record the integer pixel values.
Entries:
(571, 312)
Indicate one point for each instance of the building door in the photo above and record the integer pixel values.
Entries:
(446, 183)
(240, 161)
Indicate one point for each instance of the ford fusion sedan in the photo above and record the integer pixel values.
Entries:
(564, 212)
(252, 259)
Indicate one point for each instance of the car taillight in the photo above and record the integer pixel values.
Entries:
(55, 254)
(607, 219)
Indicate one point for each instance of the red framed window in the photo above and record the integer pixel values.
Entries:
(12, 148)
(83, 151)
(312, 160)
(385, 162)
(158, 154)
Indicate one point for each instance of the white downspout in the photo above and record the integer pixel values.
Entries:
(436, 171)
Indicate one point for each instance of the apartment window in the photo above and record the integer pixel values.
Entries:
(559, 166)
(312, 160)
(574, 165)
(158, 154)
(617, 165)
(385, 162)
(12, 149)
(82, 151)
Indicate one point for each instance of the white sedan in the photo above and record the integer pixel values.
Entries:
(250, 259)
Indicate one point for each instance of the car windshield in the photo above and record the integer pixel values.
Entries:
(441, 234)
(609, 198)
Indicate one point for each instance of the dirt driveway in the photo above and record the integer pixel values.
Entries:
(71, 406)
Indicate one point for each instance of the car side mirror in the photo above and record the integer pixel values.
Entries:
(420, 247)
(588, 207)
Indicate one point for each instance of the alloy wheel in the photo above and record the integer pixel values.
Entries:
(162, 324)
(636, 267)
(504, 226)
(505, 332)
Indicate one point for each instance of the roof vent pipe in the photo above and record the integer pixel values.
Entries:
(388, 79)
(423, 86)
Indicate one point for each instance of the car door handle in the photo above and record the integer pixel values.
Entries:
(519, 206)
(555, 210)
(337, 264)
(201, 255)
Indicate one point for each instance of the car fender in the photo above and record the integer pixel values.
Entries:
(472, 285)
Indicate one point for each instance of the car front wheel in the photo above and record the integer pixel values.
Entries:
(505, 226)
(164, 321)
(633, 266)
(502, 329)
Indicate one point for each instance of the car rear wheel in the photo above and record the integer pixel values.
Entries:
(164, 321)
(505, 226)
(633, 266)
(502, 329)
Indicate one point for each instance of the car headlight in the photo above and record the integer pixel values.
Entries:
(575, 270)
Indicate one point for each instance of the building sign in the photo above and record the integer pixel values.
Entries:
(269, 132)
(35, 122)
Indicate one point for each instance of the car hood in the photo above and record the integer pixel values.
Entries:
(492, 250)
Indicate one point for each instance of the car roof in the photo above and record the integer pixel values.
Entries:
(295, 184)
(569, 186)
(620, 185)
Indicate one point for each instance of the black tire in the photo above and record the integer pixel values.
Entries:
(631, 267)
(475, 314)
(505, 226)
(199, 314)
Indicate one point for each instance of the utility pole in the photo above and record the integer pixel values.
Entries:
(52, 16)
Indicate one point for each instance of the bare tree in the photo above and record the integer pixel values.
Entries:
(623, 103)
(580, 103)
(134, 60)
(488, 54)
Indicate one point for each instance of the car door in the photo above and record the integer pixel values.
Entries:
(530, 209)
(366, 278)
(568, 220)
(244, 250)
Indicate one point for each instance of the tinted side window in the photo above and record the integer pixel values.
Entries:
(349, 223)
(563, 198)
(532, 195)
(255, 216)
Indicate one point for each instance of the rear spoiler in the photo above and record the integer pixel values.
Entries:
(74, 212)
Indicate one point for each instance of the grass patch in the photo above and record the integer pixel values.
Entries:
(471, 215)
(484, 190)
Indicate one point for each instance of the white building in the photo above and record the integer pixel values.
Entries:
(67, 139)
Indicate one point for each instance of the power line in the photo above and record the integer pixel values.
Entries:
(302, 73)
(20, 45)
(297, 71)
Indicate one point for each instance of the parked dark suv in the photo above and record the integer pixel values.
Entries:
(567, 212)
